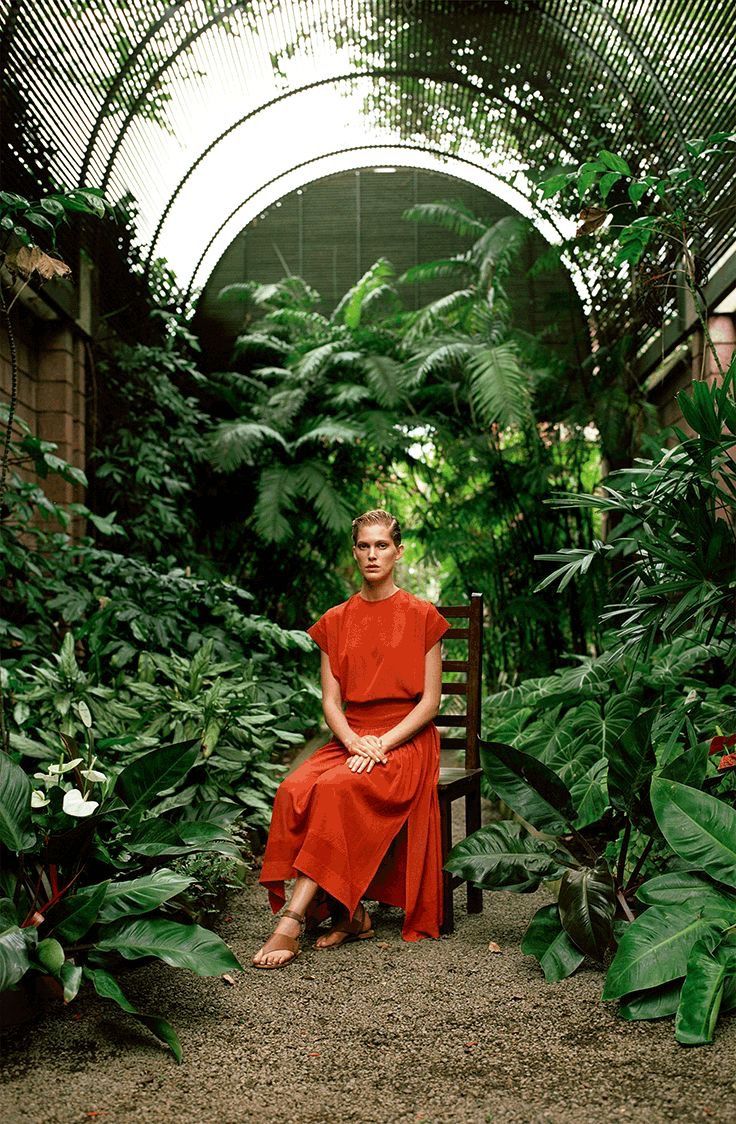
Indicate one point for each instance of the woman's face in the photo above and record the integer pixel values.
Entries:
(375, 552)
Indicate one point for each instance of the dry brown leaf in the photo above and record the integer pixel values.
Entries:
(590, 219)
(493, 947)
(228, 979)
(32, 259)
(382, 944)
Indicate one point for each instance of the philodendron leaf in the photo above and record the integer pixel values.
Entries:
(137, 895)
(685, 886)
(77, 914)
(700, 999)
(654, 1003)
(590, 793)
(587, 903)
(15, 806)
(528, 786)
(546, 939)
(654, 948)
(698, 827)
(156, 771)
(108, 987)
(14, 962)
(631, 762)
(182, 946)
(503, 856)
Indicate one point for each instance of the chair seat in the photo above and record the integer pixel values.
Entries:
(457, 782)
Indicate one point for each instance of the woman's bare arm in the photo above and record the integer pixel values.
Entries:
(335, 717)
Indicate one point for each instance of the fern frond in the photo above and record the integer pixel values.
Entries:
(256, 343)
(315, 360)
(278, 489)
(450, 214)
(331, 430)
(498, 386)
(349, 394)
(452, 355)
(331, 507)
(241, 292)
(234, 443)
(386, 378)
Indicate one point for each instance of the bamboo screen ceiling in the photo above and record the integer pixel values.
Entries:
(207, 111)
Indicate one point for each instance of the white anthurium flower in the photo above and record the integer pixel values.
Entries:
(93, 775)
(66, 766)
(38, 799)
(74, 804)
(45, 777)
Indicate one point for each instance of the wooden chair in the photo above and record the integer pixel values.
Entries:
(462, 782)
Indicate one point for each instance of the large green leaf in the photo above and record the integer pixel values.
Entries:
(182, 946)
(137, 895)
(76, 914)
(689, 767)
(528, 786)
(700, 999)
(631, 762)
(684, 886)
(587, 902)
(107, 986)
(156, 771)
(14, 962)
(698, 827)
(655, 947)
(546, 939)
(15, 806)
(159, 837)
(655, 1003)
(590, 794)
(503, 856)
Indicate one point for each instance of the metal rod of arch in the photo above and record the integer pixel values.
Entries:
(305, 163)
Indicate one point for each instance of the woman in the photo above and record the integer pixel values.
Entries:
(360, 817)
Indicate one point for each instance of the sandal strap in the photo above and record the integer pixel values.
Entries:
(295, 916)
(355, 926)
(281, 942)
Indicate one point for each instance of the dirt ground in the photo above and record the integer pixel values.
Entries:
(440, 1032)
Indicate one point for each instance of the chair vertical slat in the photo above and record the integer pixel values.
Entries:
(475, 667)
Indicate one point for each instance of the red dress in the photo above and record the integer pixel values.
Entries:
(367, 835)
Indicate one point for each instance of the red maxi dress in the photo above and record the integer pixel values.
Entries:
(376, 834)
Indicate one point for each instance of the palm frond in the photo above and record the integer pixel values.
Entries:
(331, 507)
(278, 489)
(457, 266)
(494, 251)
(498, 386)
(241, 292)
(438, 314)
(350, 308)
(234, 443)
(450, 214)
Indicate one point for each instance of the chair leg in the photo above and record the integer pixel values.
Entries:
(448, 916)
(472, 823)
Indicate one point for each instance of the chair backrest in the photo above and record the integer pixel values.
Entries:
(472, 632)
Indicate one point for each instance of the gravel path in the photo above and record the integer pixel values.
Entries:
(440, 1032)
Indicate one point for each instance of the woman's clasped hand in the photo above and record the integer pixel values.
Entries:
(365, 751)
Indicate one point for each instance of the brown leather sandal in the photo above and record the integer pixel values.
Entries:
(282, 941)
(353, 929)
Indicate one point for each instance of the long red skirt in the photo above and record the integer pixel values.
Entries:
(364, 835)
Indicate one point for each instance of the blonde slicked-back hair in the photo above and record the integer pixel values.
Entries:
(378, 515)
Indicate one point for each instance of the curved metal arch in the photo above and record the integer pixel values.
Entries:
(303, 89)
(324, 156)
(234, 7)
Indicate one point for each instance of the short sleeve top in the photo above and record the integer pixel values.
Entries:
(377, 648)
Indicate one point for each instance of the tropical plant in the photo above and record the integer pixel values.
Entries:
(82, 883)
